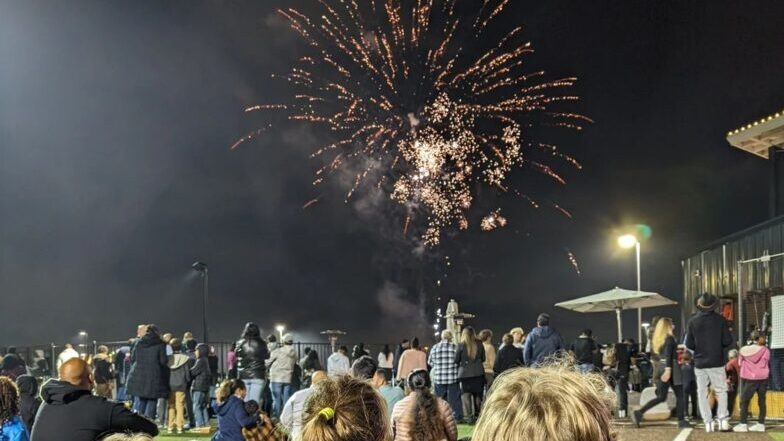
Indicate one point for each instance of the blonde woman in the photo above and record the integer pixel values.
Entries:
(470, 357)
(668, 373)
(552, 403)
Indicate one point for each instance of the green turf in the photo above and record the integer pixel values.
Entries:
(778, 436)
(463, 430)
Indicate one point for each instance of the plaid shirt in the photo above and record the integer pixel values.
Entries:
(442, 359)
(265, 431)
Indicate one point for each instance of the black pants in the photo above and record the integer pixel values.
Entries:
(661, 397)
(690, 396)
(622, 389)
(747, 390)
(732, 395)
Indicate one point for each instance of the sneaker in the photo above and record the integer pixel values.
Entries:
(709, 427)
(636, 418)
(683, 424)
(725, 425)
(741, 428)
(621, 414)
(757, 428)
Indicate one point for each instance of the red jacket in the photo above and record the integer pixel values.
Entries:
(733, 373)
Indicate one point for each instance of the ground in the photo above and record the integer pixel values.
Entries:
(649, 432)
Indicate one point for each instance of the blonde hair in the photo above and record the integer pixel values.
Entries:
(345, 409)
(551, 403)
(663, 329)
(468, 339)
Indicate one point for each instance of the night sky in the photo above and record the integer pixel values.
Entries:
(115, 172)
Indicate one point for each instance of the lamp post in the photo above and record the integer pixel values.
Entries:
(280, 329)
(628, 241)
(201, 268)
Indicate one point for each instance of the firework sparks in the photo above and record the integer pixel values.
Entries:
(390, 81)
(492, 221)
(573, 261)
(310, 202)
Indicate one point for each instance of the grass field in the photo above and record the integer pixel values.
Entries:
(462, 430)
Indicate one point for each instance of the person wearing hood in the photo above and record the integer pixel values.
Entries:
(71, 412)
(542, 342)
(12, 428)
(707, 335)
(754, 362)
(148, 379)
(29, 402)
(104, 372)
(281, 369)
(122, 365)
(12, 366)
(201, 376)
(179, 377)
(230, 408)
(251, 353)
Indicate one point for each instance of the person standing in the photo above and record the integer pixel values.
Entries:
(29, 401)
(486, 336)
(469, 358)
(410, 359)
(518, 337)
(179, 378)
(386, 360)
(623, 365)
(690, 386)
(281, 369)
(754, 372)
(251, 355)
(583, 349)
(231, 361)
(200, 387)
(402, 347)
(508, 357)
(733, 379)
(542, 342)
(670, 376)
(68, 353)
(444, 373)
(707, 335)
(104, 373)
(310, 364)
(122, 366)
(148, 379)
(338, 363)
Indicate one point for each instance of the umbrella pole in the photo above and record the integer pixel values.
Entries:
(618, 319)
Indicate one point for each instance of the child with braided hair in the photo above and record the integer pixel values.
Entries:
(12, 429)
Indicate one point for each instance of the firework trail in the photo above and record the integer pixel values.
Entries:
(311, 202)
(390, 81)
(573, 260)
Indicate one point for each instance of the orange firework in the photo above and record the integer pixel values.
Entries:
(392, 84)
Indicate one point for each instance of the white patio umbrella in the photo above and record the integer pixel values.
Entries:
(617, 300)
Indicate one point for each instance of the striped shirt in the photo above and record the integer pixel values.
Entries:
(403, 424)
(442, 360)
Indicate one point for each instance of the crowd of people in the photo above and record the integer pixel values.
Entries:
(513, 391)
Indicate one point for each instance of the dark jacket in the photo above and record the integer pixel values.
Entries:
(623, 359)
(73, 414)
(149, 375)
(232, 417)
(542, 342)
(467, 368)
(668, 358)
(28, 399)
(707, 335)
(179, 372)
(122, 365)
(104, 371)
(13, 366)
(251, 354)
(201, 374)
(508, 357)
(584, 348)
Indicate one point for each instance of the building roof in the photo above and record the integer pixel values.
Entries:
(757, 137)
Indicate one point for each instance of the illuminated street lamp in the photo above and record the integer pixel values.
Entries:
(628, 241)
(280, 329)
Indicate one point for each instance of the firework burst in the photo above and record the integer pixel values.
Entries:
(392, 83)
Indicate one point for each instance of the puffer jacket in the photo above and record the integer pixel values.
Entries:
(281, 364)
(200, 372)
(753, 361)
(251, 354)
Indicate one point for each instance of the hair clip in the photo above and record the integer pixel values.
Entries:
(327, 413)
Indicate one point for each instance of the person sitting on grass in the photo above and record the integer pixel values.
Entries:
(12, 427)
(71, 412)
(754, 371)
(343, 408)
(422, 416)
(552, 403)
(230, 408)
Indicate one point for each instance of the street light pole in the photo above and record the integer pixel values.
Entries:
(639, 310)
(202, 269)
